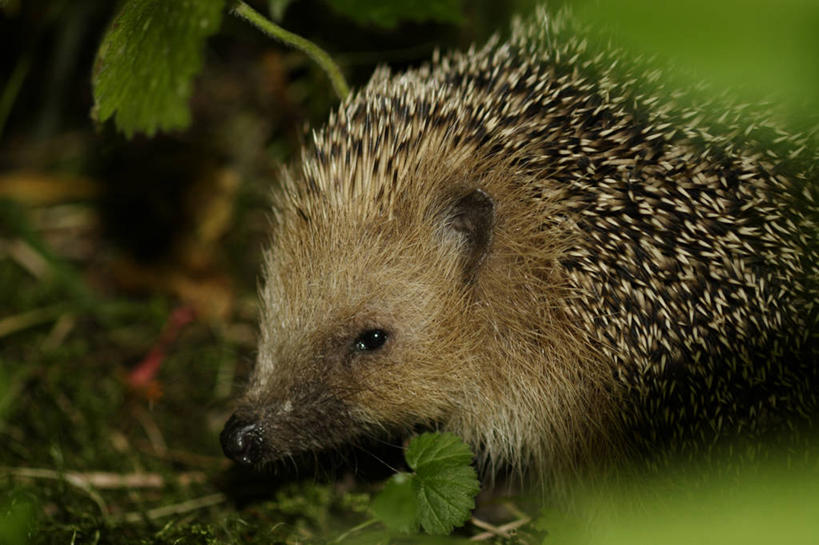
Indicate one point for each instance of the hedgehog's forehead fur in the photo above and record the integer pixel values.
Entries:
(366, 215)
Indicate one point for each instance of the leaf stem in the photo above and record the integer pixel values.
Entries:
(244, 11)
(354, 529)
(12, 88)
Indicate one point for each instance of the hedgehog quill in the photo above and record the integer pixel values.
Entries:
(523, 245)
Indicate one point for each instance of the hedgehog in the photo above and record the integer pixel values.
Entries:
(539, 247)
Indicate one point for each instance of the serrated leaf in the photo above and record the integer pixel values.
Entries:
(143, 74)
(446, 498)
(445, 482)
(396, 506)
(437, 450)
(440, 494)
(388, 14)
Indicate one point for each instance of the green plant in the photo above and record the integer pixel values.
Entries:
(144, 70)
(438, 495)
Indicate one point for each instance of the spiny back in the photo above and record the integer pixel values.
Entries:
(688, 238)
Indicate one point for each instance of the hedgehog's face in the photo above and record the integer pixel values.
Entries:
(365, 334)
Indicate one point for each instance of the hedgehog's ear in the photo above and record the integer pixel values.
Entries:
(471, 220)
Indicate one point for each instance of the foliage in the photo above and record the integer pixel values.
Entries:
(762, 503)
(16, 519)
(145, 66)
(761, 48)
(388, 14)
(439, 495)
(143, 75)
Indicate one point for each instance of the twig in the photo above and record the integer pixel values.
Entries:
(60, 331)
(97, 479)
(24, 320)
(152, 431)
(242, 10)
(353, 530)
(104, 479)
(515, 510)
(28, 258)
(13, 86)
(496, 531)
(143, 376)
(184, 457)
(74, 479)
(492, 530)
(176, 508)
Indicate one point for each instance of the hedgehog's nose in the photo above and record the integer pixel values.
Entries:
(242, 441)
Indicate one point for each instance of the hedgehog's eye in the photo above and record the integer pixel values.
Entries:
(372, 339)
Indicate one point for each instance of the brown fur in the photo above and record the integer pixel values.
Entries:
(496, 360)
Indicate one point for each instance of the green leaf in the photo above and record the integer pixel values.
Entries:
(440, 494)
(143, 74)
(437, 450)
(16, 520)
(388, 14)
(446, 498)
(395, 505)
(445, 483)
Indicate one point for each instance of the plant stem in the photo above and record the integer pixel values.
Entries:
(36, 473)
(31, 318)
(353, 530)
(12, 89)
(244, 11)
(177, 508)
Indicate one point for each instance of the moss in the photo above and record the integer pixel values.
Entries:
(66, 407)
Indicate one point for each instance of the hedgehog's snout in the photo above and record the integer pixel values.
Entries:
(242, 440)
